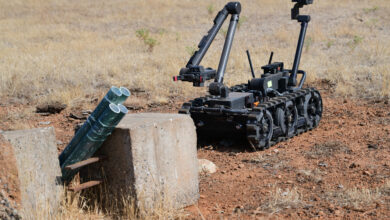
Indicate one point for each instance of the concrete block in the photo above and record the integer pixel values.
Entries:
(153, 157)
(38, 169)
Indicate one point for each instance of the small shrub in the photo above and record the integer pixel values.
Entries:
(142, 34)
(369, 10)
(330, 43)
(191, 49)
(355, 198)
(210, 9)
(162, 31)
(274, 161)
(224, 32)
(178, 37)
(356, 41)
(242, 20)
(308, 42)
(149, 41)
(304, 176)
(280, 199)
(327, 149)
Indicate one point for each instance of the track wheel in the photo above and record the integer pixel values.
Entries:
(260, 129)
(313, 109)
(287, 118)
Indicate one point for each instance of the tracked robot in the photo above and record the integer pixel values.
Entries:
(268, 109)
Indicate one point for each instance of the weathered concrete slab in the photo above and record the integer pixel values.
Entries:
(152, 156)
(35, 152)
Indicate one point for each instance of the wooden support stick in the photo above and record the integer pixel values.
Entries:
(85, 185)
(84, 163)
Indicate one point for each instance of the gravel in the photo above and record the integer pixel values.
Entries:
(6, 211)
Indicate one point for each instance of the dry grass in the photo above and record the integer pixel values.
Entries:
(70, 51)
(313, 176)
(17, 118)
(277, 161)
(327, 149)
(360, 199)
(280, 199)
(77, 206)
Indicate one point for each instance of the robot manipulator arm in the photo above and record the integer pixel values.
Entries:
(196, 74)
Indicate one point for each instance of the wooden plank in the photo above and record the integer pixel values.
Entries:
(85, 185)
(84, 163)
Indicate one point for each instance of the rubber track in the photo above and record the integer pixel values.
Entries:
(272, 103)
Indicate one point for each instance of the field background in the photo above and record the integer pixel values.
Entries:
(73, 51)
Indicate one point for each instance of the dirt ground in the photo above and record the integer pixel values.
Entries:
(340, 169)
(9, 182)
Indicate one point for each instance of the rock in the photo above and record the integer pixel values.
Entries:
(353, 165)
(153, 157)
(241, 165)
(340, 186)
(337, 212)
(38, 169)
(206, 166)
(323, 164)
(15, 212)
(51, 108)
(77, 116)
(372, 146)
(44, 122)
(86, 112)
(367, 173)
(238, 209)
(308, 206)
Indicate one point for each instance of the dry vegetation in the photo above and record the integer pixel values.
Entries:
(98, 206)
(280, 199)
(327, 149)
(360, 199)
(72, 51)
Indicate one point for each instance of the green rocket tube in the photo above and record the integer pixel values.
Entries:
(95, 137)
(112, 96)
(125, 94)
